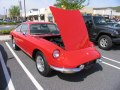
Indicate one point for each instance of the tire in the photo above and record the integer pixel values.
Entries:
(42, 65)
(15, 47)
(105, 42)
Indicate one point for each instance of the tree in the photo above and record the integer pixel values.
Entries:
(14, 12)
(71, 4)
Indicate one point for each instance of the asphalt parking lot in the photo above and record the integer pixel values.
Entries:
(18, 72)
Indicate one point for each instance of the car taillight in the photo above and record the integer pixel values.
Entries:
(56, 53)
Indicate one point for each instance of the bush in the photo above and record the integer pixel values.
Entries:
(3, 32)
(8, 23)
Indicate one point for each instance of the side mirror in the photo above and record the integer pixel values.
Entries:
(24, 33)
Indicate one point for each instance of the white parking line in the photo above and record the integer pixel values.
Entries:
(37, 85)
(111, 65)
(7, 76)
(110, 59)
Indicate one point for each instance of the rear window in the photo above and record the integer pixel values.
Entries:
(44, 29)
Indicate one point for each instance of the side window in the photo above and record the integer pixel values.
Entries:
(18, 28)
(24, 28)
(88, 21)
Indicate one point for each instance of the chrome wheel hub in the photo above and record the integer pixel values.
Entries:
(13, 43)
(40, 63)
(103, 42)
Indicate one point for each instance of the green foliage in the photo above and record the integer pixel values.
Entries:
(70, 4)
(8, 23)
(116, 8)
(3, 32)
(14, 11)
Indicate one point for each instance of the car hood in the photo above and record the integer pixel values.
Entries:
(72, 28)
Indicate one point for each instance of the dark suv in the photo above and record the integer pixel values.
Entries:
(102, 33)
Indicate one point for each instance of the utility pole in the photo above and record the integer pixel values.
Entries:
(6, 13)
(20, 6)
(25, 9)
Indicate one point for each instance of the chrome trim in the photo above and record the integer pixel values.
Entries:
(98, 60)
(68, 70)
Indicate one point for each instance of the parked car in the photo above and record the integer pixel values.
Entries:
(101, 32)
(7, 20)
(115, 25)
(118, 22)
(1, 20)
(51, 50)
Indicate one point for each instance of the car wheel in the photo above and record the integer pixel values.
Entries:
(42, 65)
(105, 42)
(15, 47)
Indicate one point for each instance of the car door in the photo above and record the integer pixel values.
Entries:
(16, 35)
(23, 36)
(90, 26)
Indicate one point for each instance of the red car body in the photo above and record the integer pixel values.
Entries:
(77, 51)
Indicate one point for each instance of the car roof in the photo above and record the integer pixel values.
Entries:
(32, 22)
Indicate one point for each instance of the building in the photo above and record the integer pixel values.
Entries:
(43, 14)
(2, 16)
(32, 14)
(105, 12)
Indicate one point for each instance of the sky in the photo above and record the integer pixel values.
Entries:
(6, 4)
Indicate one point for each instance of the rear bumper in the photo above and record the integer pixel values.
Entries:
(72, 70)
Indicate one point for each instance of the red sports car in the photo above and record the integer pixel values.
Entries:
(66, 49)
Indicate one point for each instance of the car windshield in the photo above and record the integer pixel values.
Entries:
(99, 21)
(43, 29)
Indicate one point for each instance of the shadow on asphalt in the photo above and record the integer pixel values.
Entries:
(80, 76)
(3, 82)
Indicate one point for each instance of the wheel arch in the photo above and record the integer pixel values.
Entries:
(102, 33)
(35, 51)
(12, 37)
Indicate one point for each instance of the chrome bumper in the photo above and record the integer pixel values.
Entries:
(68, 70)
(72, 70)
(98, 60)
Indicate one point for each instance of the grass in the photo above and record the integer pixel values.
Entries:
(8, 23)
(5, 32)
